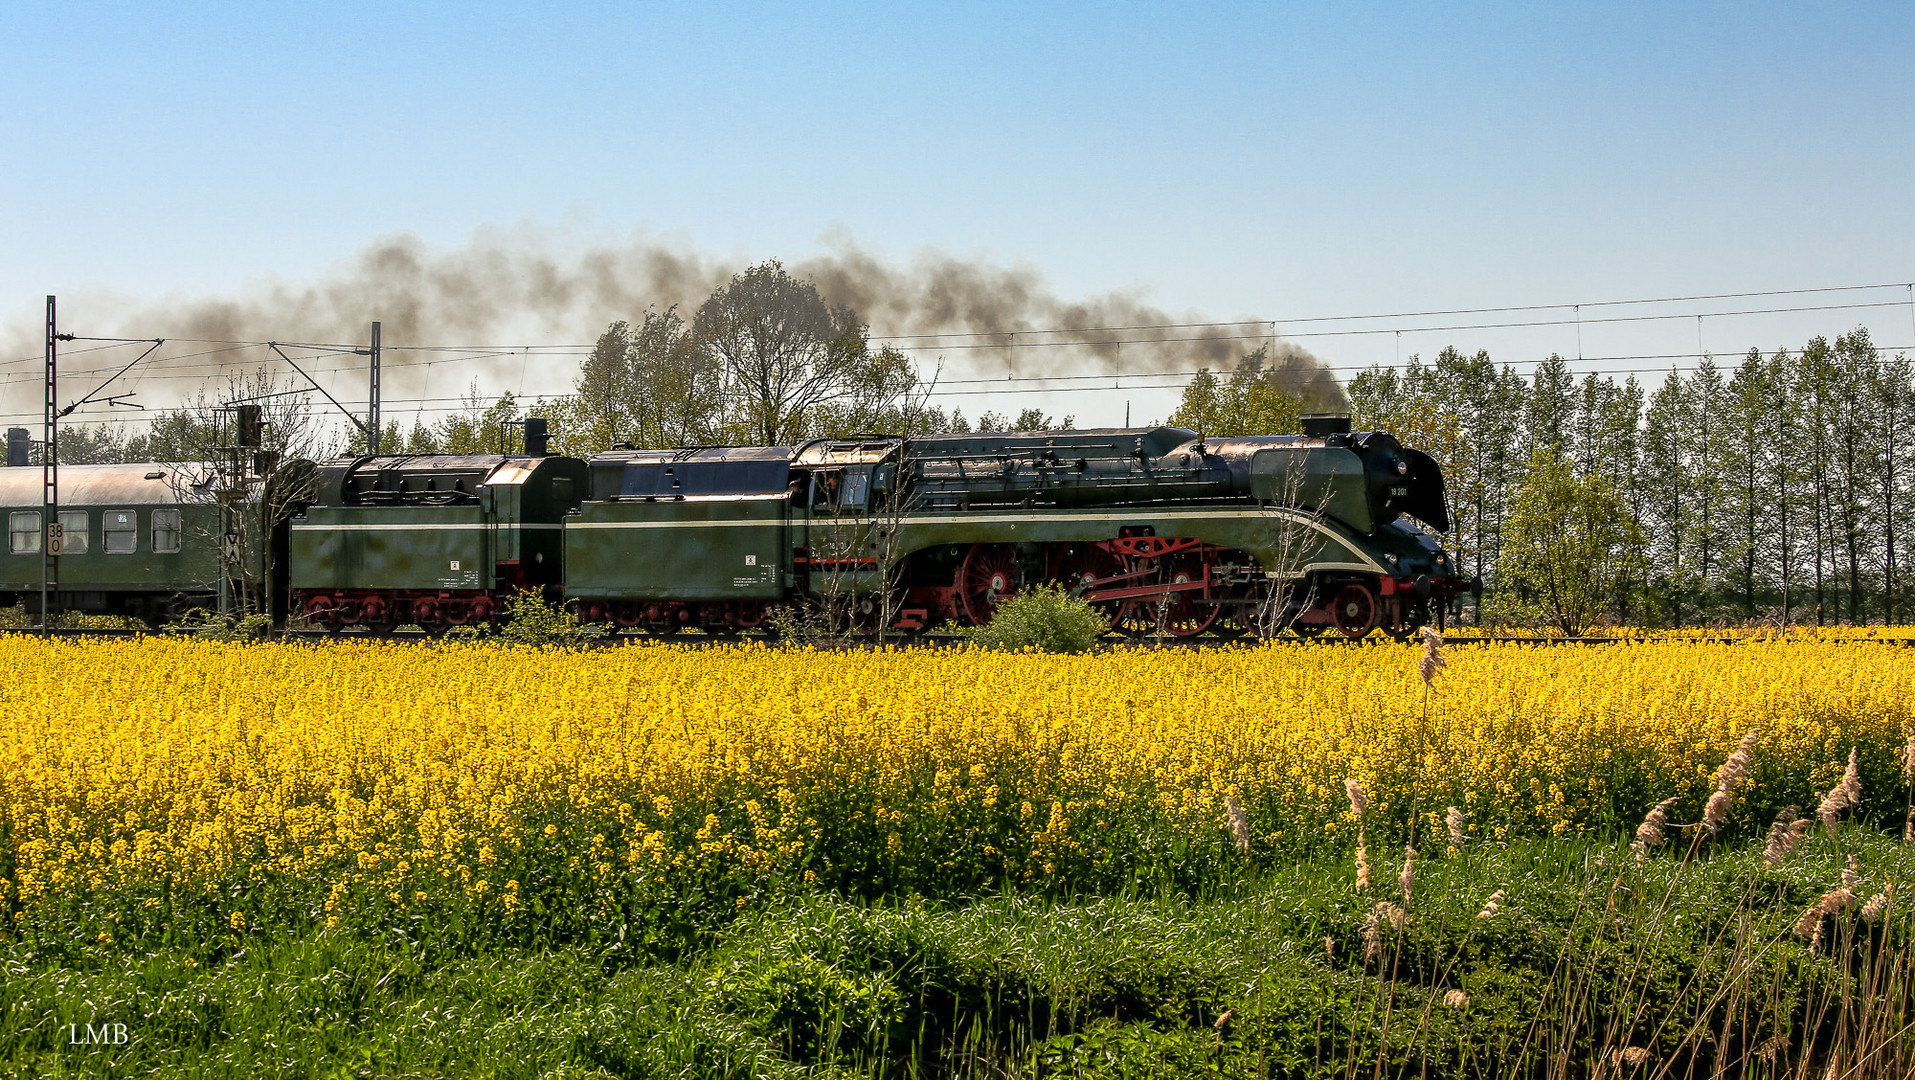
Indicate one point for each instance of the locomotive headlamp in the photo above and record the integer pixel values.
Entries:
(1402, 468)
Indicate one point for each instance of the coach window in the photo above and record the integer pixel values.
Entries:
(166, 531)
(121, 532)
(23, 532)
(73, 532)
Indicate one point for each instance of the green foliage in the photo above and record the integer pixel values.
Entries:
(209, 626)
(1254, 401)
(1046, 618)
(1265, 976)
(531, 619)
(1570, 544)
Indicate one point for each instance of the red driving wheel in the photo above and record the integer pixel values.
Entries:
(1184, 613)
(987, 575)
(1355, 609)
(1083, 564)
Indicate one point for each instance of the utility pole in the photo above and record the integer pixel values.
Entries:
(50, 537)
(372, 409)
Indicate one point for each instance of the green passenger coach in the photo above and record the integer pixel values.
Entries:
(137, 540)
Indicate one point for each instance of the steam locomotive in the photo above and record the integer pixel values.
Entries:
(1164, 531)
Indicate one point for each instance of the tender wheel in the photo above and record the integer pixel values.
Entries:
(987, 575)
(1355, 610)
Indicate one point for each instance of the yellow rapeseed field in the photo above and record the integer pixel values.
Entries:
(511, 783)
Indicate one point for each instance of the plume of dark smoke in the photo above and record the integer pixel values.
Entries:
(1017, 321)
(512, 287)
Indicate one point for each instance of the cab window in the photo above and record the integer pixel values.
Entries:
(166, 531)
(121, 532)
(23, 532)
(857, 489)
(73, 532)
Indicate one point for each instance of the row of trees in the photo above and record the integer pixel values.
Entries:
(1775, 488)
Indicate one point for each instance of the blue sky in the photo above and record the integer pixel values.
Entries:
(1236, 160)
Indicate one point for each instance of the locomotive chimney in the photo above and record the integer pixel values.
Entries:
(1317, 425)
(535, 436)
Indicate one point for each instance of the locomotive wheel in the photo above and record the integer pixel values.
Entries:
(1084, 563)
(1355, 609)
(1184, 615)
(1136, 618)
(1415, 615)
(987, 576)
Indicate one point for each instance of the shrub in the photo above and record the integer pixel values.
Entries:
(1045, 618)
(531, 619)
(213, 627)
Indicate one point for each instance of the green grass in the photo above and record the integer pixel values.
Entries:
(1691, 961)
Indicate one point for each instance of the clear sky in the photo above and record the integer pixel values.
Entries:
(1238, 160)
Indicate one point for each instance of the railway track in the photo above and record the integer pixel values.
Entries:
(936, 640)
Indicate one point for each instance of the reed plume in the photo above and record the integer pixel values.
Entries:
(1454, 819)
(1432, 661)
(1239, 823)
(1810, 924)
(1879, 904)
(1406, 881)
(1650, 833)
(1844, 794)
(1785, 836)
(1456, 999)
(1631, 1056)
(1908, 761)
(1359, 803)
(1491, 907)
(1733, 772)
(1383, 914)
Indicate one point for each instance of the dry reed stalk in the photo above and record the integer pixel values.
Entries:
(1454, 820)
(1491, 907)
(1650, 833)
(1785, 836)
(1770, 1048)
(1406, 881)
(1728, 778)
(1432, 661)
(1239, 823)
(1843, 795)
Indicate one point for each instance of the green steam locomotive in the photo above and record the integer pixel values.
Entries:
(1164, 531)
